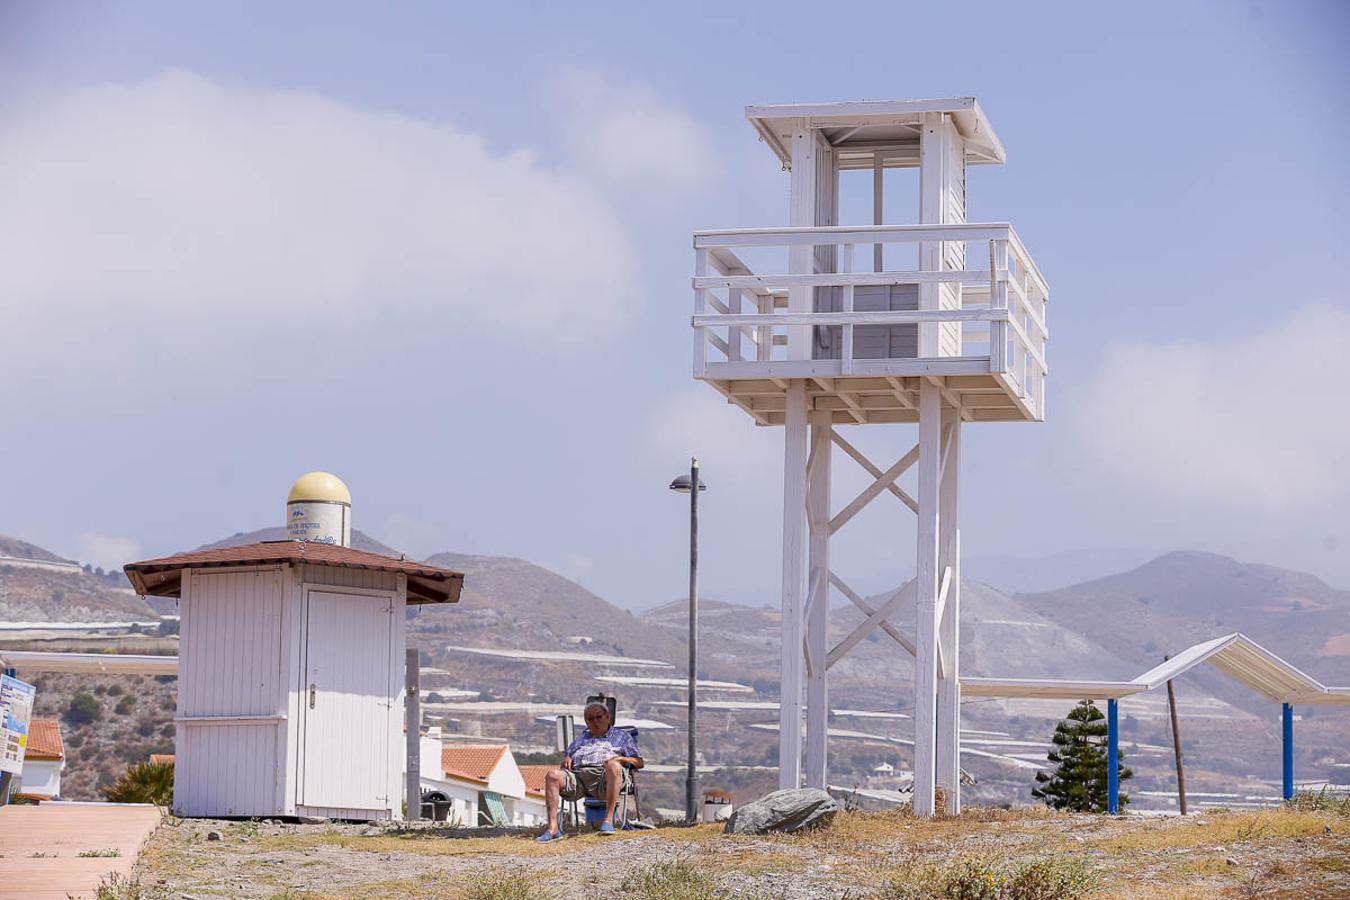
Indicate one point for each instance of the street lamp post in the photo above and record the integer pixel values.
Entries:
(685, 484)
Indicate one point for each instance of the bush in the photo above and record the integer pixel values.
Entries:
(114, 690)
(677, 880)
(1321, 801)
(496, 886)
(145, 727)
(118, 887)
(983, 879)
(83, 709)
(142, 783)
(125, 705)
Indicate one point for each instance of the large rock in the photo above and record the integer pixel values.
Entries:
(787, 811)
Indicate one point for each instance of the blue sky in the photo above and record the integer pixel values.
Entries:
(445, 253)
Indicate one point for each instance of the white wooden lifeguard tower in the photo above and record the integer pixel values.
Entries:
(290, 668)
(829, 336)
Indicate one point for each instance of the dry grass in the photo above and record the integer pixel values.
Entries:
(500, 884)
(1222, 827)
(1029, 852)
(857, 832)
(430, 844)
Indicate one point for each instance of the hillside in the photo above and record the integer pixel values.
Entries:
(360, 540)
(1182, 598)
(39, 594)
(17, 549)
(513, 603)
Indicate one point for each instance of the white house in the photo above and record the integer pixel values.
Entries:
(43, 760)
(532, 808)
(482, 782)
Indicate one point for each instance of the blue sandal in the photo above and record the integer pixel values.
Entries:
(548, 837)
(607, 828)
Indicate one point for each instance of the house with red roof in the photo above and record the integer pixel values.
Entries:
(481, 783)
(43, 760)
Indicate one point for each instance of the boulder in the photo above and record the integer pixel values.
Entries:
(786, 811)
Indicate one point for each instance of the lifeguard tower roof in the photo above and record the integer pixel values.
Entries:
(857, 129)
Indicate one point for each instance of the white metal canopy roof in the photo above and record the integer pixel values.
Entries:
(89, 663)
(1241, 657)
(1234, 654)
(859, 128)
(1048, 688)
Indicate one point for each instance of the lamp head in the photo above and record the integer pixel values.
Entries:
(682, 484)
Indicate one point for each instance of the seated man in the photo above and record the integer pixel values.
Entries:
(594, 766)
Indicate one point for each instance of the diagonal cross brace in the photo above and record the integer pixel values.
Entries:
(938, 612)
(884, 480)
(872, 470)
(868, 610)
(874, 619)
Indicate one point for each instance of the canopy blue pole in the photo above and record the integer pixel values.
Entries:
(1288, 752)
(1112, 759)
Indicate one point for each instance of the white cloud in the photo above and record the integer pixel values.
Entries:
(627, 135)
(698, 421)
(1255, 422)
(108, 551)
(216, 216)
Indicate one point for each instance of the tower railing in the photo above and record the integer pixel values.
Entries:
(964, 321)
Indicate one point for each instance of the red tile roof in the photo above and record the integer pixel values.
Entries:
(471, 762)
(44, 740)
(163, 577)
(161, 758)
(534, 778)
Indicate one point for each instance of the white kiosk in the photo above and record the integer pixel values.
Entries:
(290, 678)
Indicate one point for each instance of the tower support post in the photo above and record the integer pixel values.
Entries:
(949, 613)
(926, 584)
(795, 450)
(817, 604)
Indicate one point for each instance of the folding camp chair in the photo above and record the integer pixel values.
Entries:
(595, 806)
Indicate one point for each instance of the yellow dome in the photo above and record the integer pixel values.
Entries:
(319, 486)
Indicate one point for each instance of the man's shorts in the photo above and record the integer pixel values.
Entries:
(589, 781)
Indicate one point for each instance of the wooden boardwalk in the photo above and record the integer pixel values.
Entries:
(40, 847)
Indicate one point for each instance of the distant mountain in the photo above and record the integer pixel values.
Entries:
(360, 540)
(17, 549)
(528, 607)
(999, 637)
(1028, 574)
(35, 593)
(1182, 598)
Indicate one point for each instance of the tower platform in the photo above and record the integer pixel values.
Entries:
(863, 344)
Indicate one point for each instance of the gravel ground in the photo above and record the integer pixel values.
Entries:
(1272, 853)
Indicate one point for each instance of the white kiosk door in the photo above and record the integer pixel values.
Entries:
(346, 701)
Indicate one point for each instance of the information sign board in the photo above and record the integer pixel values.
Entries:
(16, 708)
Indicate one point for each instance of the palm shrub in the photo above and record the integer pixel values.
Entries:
(142, 783)
(1079, 754)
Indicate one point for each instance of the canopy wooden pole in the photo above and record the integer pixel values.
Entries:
(1176, 745)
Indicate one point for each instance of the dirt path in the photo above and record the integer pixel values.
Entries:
(1284, 853)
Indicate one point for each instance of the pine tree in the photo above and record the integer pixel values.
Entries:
(1079, 754)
